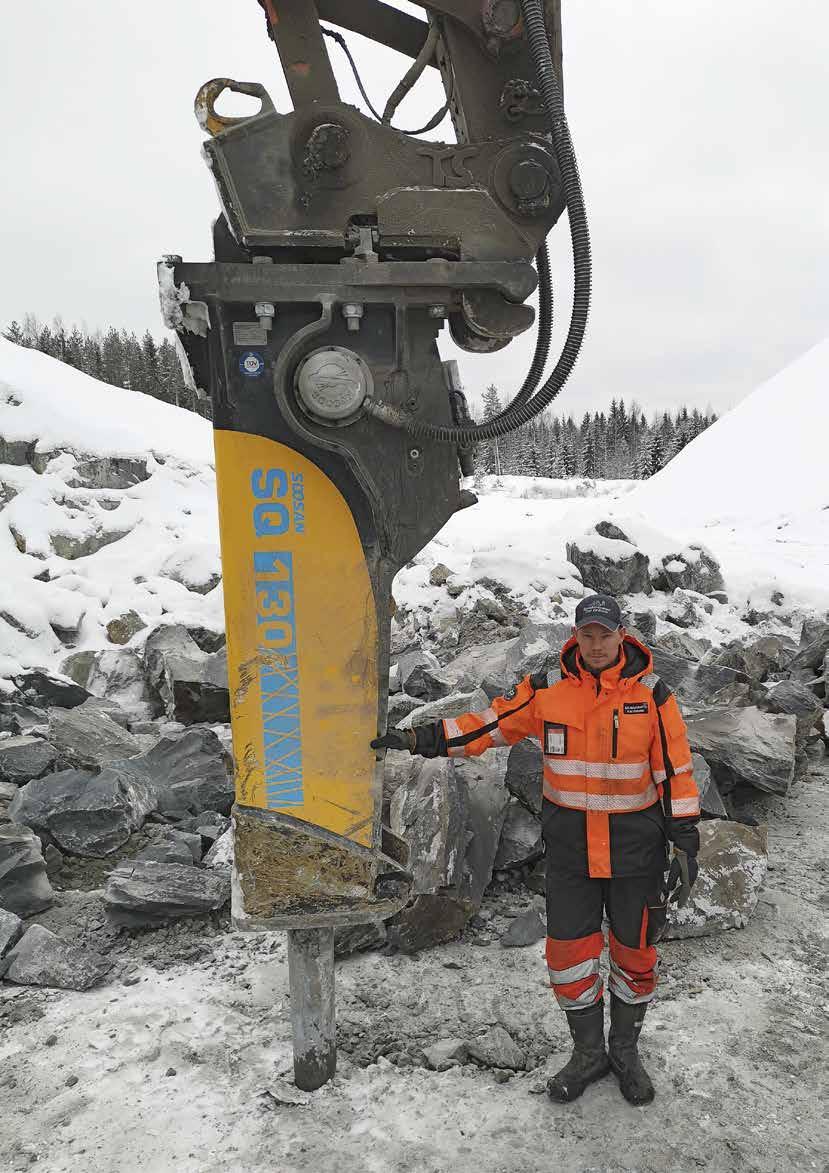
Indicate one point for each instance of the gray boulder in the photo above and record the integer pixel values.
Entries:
(814, 644)
(453, 705)
(789, 696)
(746, 746)
(497, 1048)
(611, 565)
(87, 737)
(149, 893)
(710, 799)
(42, 958)
(189, 773)
(732, 860)
(407, 663)
(191, 684)
(34, 804)
(78, 665)
(446, 1053)
(694, 568)
(44, 690)
(24, 885)
(430, 684)
(682, 611)
(485, 664)
(682, 643)
(694, 683)
(99, 472)
(645, 623)
(11, 930)
(756, 660)
(219, 858)
(537, 649)
(8, 793)
(521, 841)
(400, 705)
(167, 851)
(20, 718)
(119, 676)
(526, 929)
(86, 814)
(450, 812)
(525, 774)
(25, 757)
(430, 813)
(110, 807)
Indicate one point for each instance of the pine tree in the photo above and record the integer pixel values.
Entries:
(489, 451)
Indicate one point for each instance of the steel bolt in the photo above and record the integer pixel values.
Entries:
(352, 312)
(327, 147)
(437, 311)
(528, 180)
(414, 453)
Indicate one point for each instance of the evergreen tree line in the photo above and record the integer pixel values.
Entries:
(614, 445)
(115, 357)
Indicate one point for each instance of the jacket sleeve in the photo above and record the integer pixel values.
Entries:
(671, 755)
(506, 720)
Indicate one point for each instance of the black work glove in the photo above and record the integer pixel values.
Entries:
(396, 739)
(682, 876)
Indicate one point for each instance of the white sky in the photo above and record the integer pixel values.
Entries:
(700, 130)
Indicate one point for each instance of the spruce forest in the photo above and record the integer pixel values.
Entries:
(618, 444)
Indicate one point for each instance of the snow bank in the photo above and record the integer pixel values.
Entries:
(46, 401)
(75, 557)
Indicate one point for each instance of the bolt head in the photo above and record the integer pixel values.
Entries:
(329, 143)
(528, 180)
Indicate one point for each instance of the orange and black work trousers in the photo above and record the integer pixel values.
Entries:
(636, 910)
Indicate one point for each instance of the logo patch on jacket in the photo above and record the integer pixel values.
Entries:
(637, 707)
(555, 739)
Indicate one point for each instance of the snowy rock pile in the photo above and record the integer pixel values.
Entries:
(114, 763)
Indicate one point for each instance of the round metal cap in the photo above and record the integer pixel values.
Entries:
(332, 383)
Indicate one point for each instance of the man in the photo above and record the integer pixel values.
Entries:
(615, 754)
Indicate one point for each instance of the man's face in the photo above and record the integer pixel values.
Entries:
(599, 647)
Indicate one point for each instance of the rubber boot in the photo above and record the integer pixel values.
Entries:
(625, 1025)
(589, 1060)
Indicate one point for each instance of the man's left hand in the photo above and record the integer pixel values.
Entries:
(681, 877)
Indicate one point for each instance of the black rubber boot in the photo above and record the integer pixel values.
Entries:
(589, 1060)
(625, 1025)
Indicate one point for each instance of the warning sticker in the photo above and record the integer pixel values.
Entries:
(251, 364)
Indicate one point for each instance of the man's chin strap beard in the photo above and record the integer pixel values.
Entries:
(598, 671)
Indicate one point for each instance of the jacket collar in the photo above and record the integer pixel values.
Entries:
(634, 663)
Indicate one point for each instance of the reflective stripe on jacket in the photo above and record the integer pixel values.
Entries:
(605, 750)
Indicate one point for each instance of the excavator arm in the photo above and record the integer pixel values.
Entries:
(343, 247)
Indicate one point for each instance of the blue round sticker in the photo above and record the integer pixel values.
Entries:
(251, 364)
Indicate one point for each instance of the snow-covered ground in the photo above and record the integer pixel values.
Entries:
(175, 1063)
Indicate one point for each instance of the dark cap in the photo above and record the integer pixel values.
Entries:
(599, 609)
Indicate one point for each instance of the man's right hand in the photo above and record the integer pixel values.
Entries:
(396, 739)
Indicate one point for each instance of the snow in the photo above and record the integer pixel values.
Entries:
(148, 542)
(59, 407)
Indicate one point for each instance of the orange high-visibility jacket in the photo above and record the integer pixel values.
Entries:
(606, 754)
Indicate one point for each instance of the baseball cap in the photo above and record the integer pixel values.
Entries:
(599, 609)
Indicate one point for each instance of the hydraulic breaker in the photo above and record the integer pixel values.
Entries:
(343, 248)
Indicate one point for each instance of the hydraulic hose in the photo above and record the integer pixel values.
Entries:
(527, 406)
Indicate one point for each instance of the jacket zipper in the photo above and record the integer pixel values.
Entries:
(615, 742)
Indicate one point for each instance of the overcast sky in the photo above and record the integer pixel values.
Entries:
(701, 132)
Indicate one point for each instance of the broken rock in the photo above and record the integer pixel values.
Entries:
(497, 1048)
(11, 930)
(732, 860)
(524, 930)
(188, 773)
(525, 774)
(449, 706)
(710, 799)
(25, 757)
(610, 565)
(149, 893)
(746, 746)
(42, 958)
(446, 1053)
(191, 684)
(24, 885)
(86, 737)
(43, 690)
(521, 840)
(787, 696)
(694, 568)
